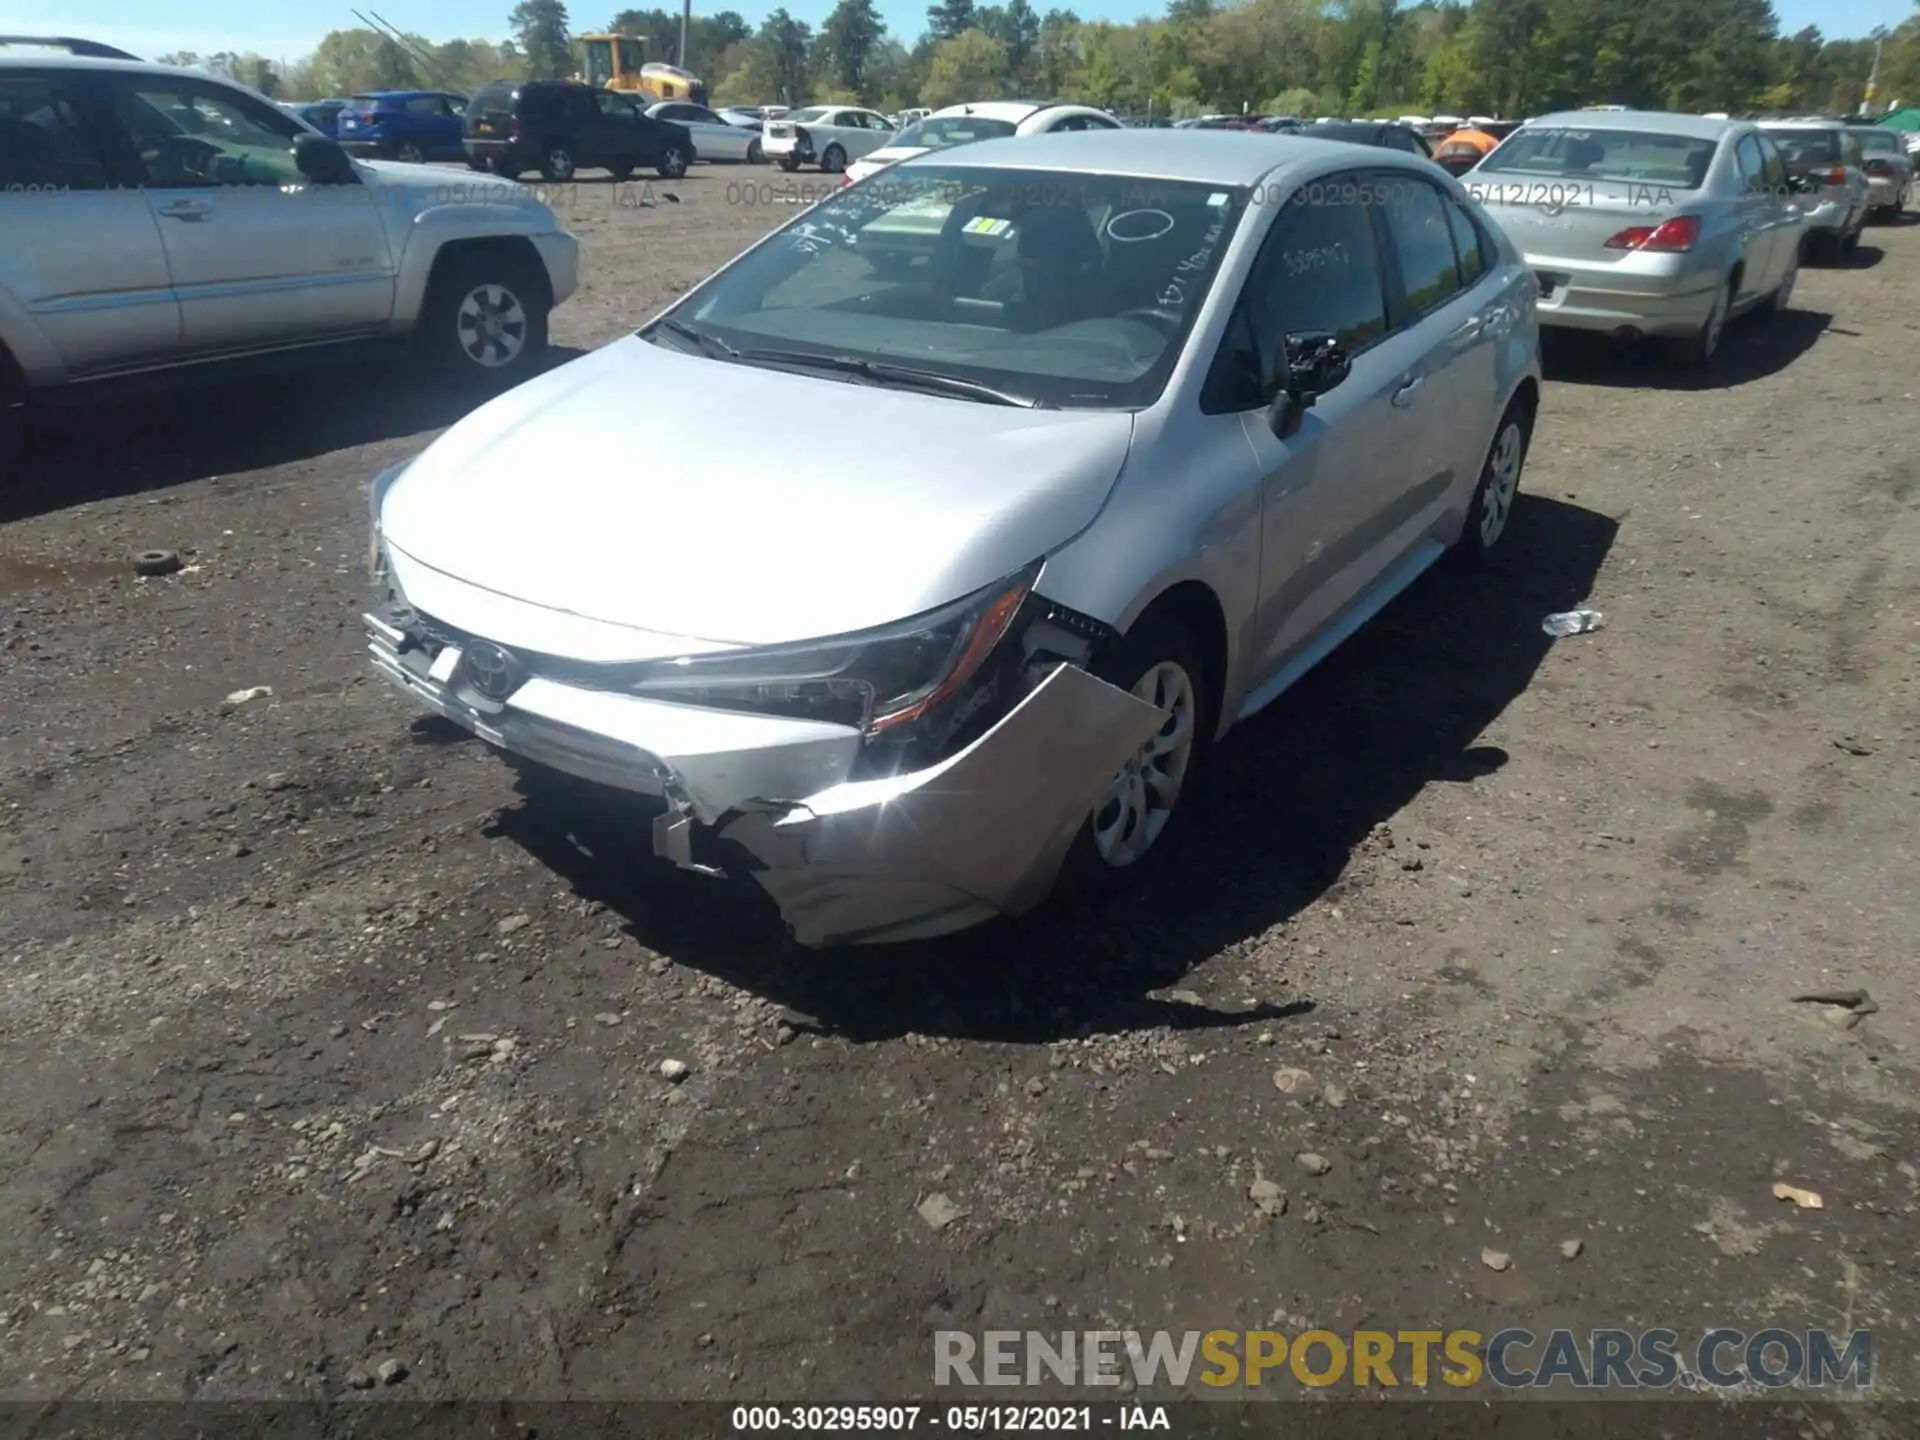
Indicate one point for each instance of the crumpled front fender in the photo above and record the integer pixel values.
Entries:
(982, 833)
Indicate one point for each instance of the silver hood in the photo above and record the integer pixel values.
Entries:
(639, 486)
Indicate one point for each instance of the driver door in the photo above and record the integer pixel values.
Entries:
(259, 257)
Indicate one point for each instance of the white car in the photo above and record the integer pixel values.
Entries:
(987, 120)
(830, 136)
(713, 137)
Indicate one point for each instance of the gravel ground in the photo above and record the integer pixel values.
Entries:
(327, 1048)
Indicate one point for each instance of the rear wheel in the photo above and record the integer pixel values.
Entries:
(1700, 349)
(557, 164)
(1783, 292)
(1161, 663)
(1492, 503)
(474, 162)
(834, 160)
(789, 164)
(13, 421)
(411, 153)
(504, 168)
(485, 318)
(755, 155)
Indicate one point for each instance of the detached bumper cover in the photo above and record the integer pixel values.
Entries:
(982, 833)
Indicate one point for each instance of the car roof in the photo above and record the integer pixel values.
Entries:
(1806, 125)
(1011, 110)
(1651, 122)
(1211, 157)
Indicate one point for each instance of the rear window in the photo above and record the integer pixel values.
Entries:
(1808, 147)
(1881, 142)
(1677, 162)
(945, 130)
(494, 97)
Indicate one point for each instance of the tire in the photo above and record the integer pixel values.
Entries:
(673, 162)
(504, 168)
(755, 155)
(474, 162)
(410, 154)
(466, 292)
(1492, 503)
(789, 164)
(1117, 841)
(558, 164)
(833, 160)
(1783, 292)
(1700, 349)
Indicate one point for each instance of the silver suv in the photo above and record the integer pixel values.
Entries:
(157, 218)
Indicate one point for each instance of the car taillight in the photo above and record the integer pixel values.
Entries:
(1668, 237)
(1837, 175)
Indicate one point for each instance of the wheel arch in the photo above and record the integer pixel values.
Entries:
(517, 247)
(1193, 605)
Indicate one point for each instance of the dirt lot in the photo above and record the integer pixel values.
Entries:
(325, 1047)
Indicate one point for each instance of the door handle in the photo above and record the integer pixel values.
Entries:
(186, 210)
(1469, 330)
(1403, 397)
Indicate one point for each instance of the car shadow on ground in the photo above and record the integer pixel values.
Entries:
(77, 454)
(1286, 800)
(1752, 348)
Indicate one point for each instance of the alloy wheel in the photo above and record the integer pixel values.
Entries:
(1139, 800)
(492, 326)
(412, 154)
(1503, 482)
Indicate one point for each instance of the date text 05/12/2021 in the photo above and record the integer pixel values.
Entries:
(951, 1419)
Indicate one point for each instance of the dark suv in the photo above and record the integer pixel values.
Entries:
(561, 127)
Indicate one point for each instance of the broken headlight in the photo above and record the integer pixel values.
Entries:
(873, 681)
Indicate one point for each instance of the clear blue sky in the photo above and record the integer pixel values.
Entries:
(155, 27)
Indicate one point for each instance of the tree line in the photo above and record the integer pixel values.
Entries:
(1306, 57)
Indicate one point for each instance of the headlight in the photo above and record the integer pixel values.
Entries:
(377, 495)
(874, 680)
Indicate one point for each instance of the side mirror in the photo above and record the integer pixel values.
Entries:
(1310, 363)
(323, 161)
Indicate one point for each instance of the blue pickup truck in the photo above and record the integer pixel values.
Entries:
(411, 125)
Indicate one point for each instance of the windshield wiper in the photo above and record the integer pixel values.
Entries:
(708, 344)
(906, 377)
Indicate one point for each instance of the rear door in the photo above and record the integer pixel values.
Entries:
(81, 254)
(259, 257)
(1757, 215)
(713, 138)
(1437, 271)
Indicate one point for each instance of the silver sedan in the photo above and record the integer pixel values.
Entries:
(1889, 170)
(1647, 224)
(1160, 420)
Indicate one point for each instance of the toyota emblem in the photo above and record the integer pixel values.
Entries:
(492, 671)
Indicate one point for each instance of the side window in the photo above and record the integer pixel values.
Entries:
(43, 141)
(1855, 156)
(1772, 167)
(612, 106)
(1423, 242)
(454, 105)
(1470, 247)
(1318, 269)
(424, 105)
(1753, 167)
(191, 134)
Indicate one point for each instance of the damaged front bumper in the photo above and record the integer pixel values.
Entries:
(848, 861)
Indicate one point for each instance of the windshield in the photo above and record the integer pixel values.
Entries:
(941, 131)
(1808, 147)
(1878, 140)
(1677, 162)
(1074, 289)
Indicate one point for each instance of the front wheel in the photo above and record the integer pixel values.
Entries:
(485, 318)
(1161, 663)
(1492, 503)
(673, 163)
